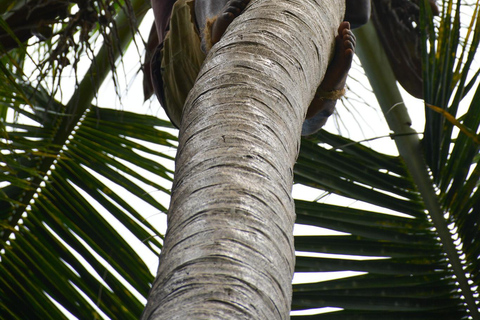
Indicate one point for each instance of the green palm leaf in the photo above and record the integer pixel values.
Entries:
(58, 160)
(62, 221)
(424, 263)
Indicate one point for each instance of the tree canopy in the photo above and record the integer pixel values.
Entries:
(67, 163)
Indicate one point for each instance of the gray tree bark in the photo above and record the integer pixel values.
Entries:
(229, 250)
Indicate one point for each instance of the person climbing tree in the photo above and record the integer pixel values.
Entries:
(187, 29)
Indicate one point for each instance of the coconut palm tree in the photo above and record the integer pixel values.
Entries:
(64, 158)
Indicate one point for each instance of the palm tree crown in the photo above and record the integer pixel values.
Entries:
(68, 163)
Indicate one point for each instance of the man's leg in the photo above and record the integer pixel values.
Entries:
(333, 84)
(214, 16)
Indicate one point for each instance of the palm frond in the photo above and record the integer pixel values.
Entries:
(422, 261)
(60, 224)
(64, 166)
(406, 264)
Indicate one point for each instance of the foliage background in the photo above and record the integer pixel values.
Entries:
(76, 235)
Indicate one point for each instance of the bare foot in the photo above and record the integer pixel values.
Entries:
(337, 71)
(232, 9)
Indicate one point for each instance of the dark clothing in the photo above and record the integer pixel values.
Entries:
(204, 9)
(162, 10)
(177, 60)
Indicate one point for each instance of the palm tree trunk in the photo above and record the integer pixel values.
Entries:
(229, 252)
